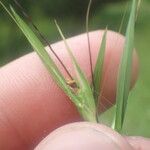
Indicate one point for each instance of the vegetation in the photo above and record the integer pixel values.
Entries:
(134, 95)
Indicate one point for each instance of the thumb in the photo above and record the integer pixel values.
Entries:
(84, 136)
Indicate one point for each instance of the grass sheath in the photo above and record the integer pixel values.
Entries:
(83, 94)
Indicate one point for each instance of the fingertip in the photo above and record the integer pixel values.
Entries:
(84, 136)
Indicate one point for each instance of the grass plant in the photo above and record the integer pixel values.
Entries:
(85, 95)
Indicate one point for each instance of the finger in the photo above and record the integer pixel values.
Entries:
(32, 105)
(139, 143)
(84, 136)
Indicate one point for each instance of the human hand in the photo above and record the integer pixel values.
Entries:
(31, 104)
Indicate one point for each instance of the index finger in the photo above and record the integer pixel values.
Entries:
(32, 105)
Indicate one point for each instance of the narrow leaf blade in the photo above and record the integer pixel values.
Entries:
(125, 71)
(99, 68)
(42, 53)
(88, 40)
(85, 93)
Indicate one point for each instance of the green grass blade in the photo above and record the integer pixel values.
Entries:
(125, 71)
(88, 41)
(10, 14)
(99, 68)
(85, 94)
(138, 8)
(123, 18)
(42, 53)
(86, 109)
(39, 48)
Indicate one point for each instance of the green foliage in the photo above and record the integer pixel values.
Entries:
(98, 69)
(85, 92)
(141, 87)
(124, 79)
(82, 98)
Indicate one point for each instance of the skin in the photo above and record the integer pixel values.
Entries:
(32, 105)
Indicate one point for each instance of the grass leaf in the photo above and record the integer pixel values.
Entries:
(88, 40)
(83, 98)
(42, 53)
(125, 71)
(123, 18)
(99, 68)
(85, 93)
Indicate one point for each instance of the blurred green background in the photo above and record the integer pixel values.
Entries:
(71, 17)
